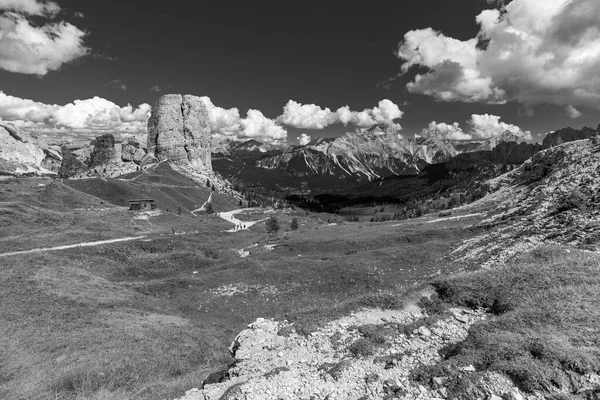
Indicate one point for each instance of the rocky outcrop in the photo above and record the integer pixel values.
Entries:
(71, 166)
(567, 135)
(513, 152)
(104, 151)
(273, 362)
(132, 151)
(179, 130)
(22, 153)
(551, 198)
(104, 157)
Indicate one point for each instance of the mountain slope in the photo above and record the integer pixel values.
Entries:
(370, 154)
(551, 198)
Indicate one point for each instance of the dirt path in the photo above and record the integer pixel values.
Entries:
(203, 206)
(71, 246)
(239, 224)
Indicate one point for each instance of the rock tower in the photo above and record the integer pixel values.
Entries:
(179, 130)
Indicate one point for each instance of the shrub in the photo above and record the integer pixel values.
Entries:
(272, 225)
(362, 348)
(294, 224)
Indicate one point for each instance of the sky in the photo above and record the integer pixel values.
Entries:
(284, 72)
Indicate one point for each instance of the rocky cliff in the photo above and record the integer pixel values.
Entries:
(179, 130)
(22, 153)
(104, 157)
(568, 135)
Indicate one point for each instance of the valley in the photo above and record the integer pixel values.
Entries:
(154, 316)
(169, 302)
(151, 317)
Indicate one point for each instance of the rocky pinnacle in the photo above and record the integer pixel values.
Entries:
(179, 130)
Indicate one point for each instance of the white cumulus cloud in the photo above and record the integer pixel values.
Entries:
(311, 116)
(227, 123)
(81, 118)
(303, 139)
(257, 126)
(445, 131)
(306, 116)
(481, 126)
(36, 49)
(534, 52)
(487, 126)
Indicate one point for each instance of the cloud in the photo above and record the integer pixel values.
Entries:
(572, 112)
(30, 7)
(227, 124)
(487, 126)
(445, 131)
(81, 118)
(484, 126)
(306, 116)
(257, 126)
(158, 89)
(303, 139)
(36, 49)
(117, 84)
(531, 52)
(311, 116)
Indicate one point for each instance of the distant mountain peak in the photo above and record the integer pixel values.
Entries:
(251, 145)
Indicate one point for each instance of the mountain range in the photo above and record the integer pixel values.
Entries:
(360, 157)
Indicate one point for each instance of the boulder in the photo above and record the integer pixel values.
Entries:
(179, 130)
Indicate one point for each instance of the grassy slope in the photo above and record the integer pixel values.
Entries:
(146, 320)
(167, 187)
(545, 334)
(44, 213)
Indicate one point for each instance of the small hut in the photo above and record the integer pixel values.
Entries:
(142, 204)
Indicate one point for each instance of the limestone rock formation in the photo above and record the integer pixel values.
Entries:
(71, 165)
(370, 153)
(514, 152)
(567, 135)
(179, 130)
(104, 150)
(132, 151)
(23, 153)
(104, 157)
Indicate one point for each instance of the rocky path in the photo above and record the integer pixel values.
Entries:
(71, 246)
(273, 362)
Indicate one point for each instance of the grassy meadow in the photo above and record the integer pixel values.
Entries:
(150, 318)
